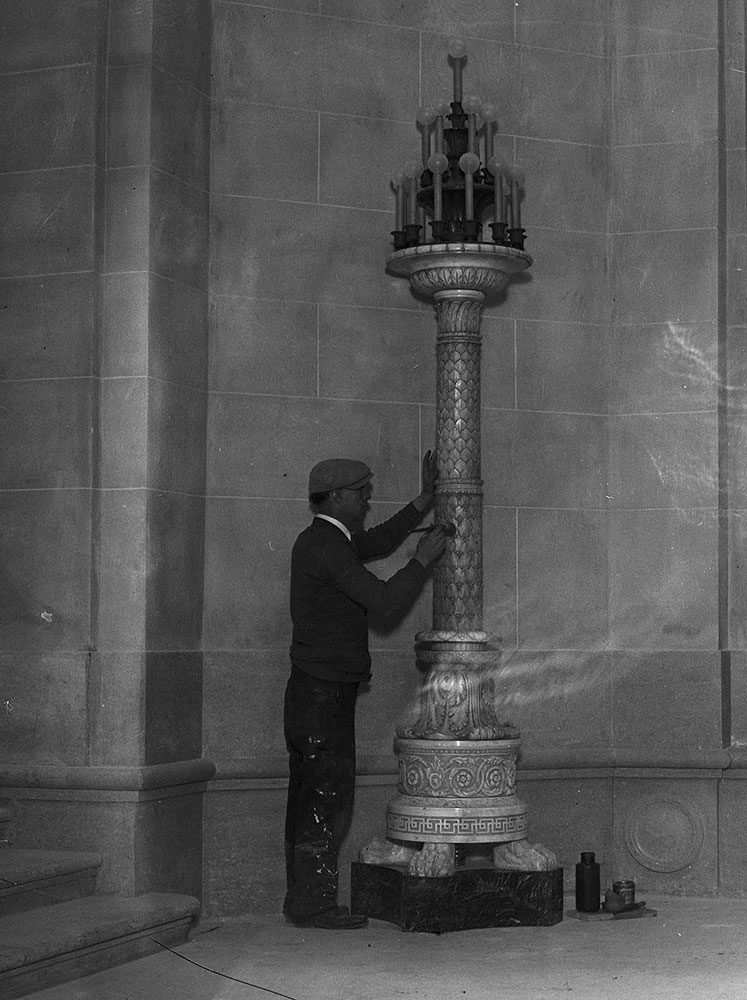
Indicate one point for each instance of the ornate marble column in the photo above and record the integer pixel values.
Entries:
(457, 760)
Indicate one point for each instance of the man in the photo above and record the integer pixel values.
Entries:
(331, 592)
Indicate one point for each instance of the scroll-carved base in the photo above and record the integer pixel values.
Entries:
(455, 792)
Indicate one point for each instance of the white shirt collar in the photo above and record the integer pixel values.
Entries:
(338, 524)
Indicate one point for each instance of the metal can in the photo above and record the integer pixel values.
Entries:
(625, 888)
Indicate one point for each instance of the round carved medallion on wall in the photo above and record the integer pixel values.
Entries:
(664, 834)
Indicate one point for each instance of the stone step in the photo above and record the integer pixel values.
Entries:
(33, 878)
(54, 944)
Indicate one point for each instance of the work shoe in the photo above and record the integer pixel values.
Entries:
(339, 919)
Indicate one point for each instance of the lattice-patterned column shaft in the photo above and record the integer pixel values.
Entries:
(457, 581)
(456, 697)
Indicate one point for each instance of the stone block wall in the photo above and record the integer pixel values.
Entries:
(604, 411)
(196, 310)
(48, 259)
(104, 282)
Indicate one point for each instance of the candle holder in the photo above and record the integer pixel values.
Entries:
(471, 231)
(440, 232)
(456, 201)
(499, 230)
(516, 238)
(398, 238)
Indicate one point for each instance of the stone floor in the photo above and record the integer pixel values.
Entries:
(692, 948)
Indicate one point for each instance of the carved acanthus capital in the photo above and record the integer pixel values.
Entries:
(481, 268)
(457, 702)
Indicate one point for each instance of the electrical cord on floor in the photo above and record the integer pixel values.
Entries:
(223, 975)
(160, 944)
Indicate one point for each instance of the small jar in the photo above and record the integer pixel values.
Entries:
(625, 889)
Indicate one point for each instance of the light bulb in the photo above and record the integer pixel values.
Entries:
(471, 104)
(426, 115)
(398, 178)
(469, 163)
(457, 49)
(413, 168)
(437, 163)
(488, 112)
(496, 166)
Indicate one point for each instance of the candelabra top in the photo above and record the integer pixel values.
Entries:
(457, 177)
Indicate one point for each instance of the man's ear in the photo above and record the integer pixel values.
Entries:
(336, 497)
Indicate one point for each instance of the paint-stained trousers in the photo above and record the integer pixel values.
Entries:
(320, 735)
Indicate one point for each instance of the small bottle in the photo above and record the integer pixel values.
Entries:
(587, 884)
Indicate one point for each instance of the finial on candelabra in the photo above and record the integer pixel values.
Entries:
(458, 179)
(457, 53)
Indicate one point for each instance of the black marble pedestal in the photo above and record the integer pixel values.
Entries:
(474, 896)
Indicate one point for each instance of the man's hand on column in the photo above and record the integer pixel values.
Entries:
(428, 478)
(431, 546)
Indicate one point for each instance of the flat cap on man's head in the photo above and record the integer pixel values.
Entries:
(338, 474)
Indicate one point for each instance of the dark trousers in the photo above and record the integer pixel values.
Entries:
(320, 736)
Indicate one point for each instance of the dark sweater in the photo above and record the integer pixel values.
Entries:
(331, 592)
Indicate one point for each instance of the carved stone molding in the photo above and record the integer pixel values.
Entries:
(476, 769)
(102, 777)
(452, 825)
(457, 792)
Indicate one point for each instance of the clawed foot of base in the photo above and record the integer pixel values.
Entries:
(435, 861)
(387, 852)
(520, 855)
